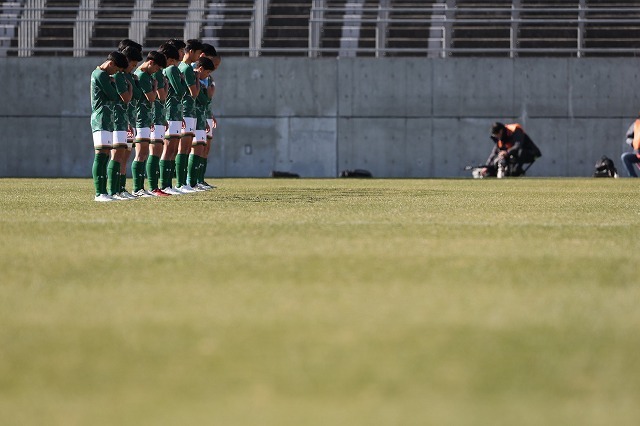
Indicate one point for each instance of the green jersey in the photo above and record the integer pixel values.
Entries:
(103, 94)
(120, 117)
(135, 97)
(144, 108)
(177, 87)
(188, 102)
(202, 105)
(158, 105)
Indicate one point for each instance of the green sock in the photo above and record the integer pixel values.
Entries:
(123, 182)
(165, 174)
(98, 172)
(153, 169)
(142, 174)
(104, 174)
(113, 171)
(137, 170)
(192, 170)
(203, 169)
(181, 169)
(172, 168)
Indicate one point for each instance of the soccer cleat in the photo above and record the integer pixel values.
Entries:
(140, 193)
(206, 185)
(171, 191)
(126, 194)
(119, 197)
(186, 189)
(103, 198)
(200, 188)
(159, 193)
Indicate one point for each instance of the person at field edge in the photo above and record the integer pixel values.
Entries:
(155, 62)
(103, 95)
(513, 148)
(204, 123)
(631, 159)
(134, 56)
(120, 127)
(158, 128)
(192, 52)
(210, 52)
(176, 89)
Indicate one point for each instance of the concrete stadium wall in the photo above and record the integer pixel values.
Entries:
(401, 117)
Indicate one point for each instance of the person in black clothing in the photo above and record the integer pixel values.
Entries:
(513, 148)
(631, 159)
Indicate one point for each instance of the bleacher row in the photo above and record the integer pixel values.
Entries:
(347, 27)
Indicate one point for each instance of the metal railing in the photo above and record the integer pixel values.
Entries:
(446, 27)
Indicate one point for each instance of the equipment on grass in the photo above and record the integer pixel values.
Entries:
(279, 174)
(605, 168)
(356, 173)
(511, 170)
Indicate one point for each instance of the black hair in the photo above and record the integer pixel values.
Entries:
(209, 50)
(158, 58)
(193, 44)
(119, 59)
(132, 54)
(170, 51)
(178, 44)
(496, 127)
(127, 42)
(205, 63)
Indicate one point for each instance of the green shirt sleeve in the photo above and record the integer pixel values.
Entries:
(176, 81)
(121, 83)
(137, 91)
(189, 76)
(104, 83)
(159, 77)
(145, 82)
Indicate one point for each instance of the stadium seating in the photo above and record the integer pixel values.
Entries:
(481, 35)
(228, 24)
(287, 28)
(55, 37)
(112, 23)
(497, 28)
(626, 34)
(331, 36)
(167, 20)
(410, 29)
(9, 12)
(545, 32)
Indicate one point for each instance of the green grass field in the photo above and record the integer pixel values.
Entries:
(322, 302)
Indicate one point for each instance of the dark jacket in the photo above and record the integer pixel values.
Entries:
(517, 144)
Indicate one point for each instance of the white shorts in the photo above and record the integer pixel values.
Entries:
(120, 138)
(157, 133)
(131, 137)
(201, 137)
(174, 130)
(209, 128)
(143, 134)
(102, 139)
(189, 127)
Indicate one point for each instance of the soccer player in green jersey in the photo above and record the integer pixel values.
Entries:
(192, 52)
(134, 55)
(103, 94)
(157, 135)
(203, 69)
(154, 62)
(210, 52)
(176, 89)
(120, 127)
